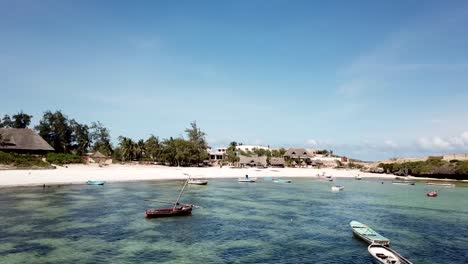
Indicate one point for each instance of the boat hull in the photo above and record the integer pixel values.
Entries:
(404, 182)
(367, 234)
(383, 254)
(169, 212)
(95, 182)
(198, 182)
(247, 179)
(446, 185)
(337, 188)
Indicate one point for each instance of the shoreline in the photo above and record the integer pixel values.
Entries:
(79, 174)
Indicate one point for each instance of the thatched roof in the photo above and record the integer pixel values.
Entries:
(254, 160)
(277, 161)
(297, 153)
(22, 139)
(98, 154)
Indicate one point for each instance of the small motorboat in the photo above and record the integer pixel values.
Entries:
(198, 182)
(247, 179)
(281, 181)
(168, 212)
(386, 255)
(367, 234)
(337, 188)
(95, 182)
(358, 177)
(432, 194)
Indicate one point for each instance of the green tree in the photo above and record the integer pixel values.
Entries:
(195, 134)
(56, 130)
(81, 137)
(127, 148)
(231, 153)
(21, 120)
(100, 136)
(140, 150)
(6, 122)
(153, 149)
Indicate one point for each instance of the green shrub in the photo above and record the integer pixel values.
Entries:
(62, 158)
(21, 160)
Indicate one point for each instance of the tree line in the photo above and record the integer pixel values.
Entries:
(66, 135)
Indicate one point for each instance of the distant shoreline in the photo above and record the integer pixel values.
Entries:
(79, 174)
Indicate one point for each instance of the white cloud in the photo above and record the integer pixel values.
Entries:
(438, 143)
(312, 142)
(390, 143)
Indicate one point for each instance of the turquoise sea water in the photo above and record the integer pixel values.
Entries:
(263, 222)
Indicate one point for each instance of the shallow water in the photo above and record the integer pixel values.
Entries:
(263, 222)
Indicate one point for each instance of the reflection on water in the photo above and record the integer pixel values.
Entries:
(263, 222)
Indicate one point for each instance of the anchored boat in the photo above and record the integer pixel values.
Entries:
(337, 188)
(198, 182)
(405, 182)
(367, 234)
(432, 194)
(386, 255)
(95, 182)
(281, 181)
(446, 185)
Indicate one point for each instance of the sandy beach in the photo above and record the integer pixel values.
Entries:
(79, 174)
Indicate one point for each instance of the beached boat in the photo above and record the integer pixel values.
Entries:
(167, 212)
(95, 182)
(281, 181)
(404, 182)
(198, 182)
(386, 255)
(446, 185)
(337, 188)
(367, 234)
(432, 194)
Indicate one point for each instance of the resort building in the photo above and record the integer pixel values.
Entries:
(277, 162)
(298, 156)
(23, 141)
(254, 161)
(97, 157)
(246, 148)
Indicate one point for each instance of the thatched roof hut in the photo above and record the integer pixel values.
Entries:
(23, 140)
(253, 161)
(277, 162)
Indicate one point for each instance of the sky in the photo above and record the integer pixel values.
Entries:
(369, 79)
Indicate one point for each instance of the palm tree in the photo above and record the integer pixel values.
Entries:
(127, 147)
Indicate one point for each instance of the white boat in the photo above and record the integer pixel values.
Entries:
(247, 179)
(337, 188)
(386, 255)
(404, 182)
(198, 182)
(358, 177)
(446, 185)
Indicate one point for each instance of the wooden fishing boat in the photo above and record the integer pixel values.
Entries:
(367, 234)
(432, 194)
(177, 210)
(404, 182)
(446, 185)
(198, 182)
(337, 188)
(95, 182)
(167, 212)
(386, 255)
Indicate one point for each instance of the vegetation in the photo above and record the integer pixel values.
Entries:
(19, 120)
(63, 158)
(21, 161)
(68, 136)
(432, 167)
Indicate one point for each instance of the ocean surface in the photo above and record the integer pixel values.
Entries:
(263, 222)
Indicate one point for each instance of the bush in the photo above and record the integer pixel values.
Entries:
(21, 160)
(62, 158)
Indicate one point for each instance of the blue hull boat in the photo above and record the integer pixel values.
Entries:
(95, 182)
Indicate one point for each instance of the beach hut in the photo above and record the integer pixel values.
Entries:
(277, 162)
(23, 141)
(253, 161)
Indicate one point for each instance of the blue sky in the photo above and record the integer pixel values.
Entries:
(369, 79)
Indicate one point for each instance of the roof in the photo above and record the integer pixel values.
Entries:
(276, 161)
(22, 139)
(262, 160)
(297, 152)
(98, 154)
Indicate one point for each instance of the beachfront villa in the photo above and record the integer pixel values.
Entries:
(253, 161)
(298, 155)
(216, 155)
(246, 148)
(23, 141)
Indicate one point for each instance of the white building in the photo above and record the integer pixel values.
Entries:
(250, 147)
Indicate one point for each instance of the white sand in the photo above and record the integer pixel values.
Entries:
(79, 174)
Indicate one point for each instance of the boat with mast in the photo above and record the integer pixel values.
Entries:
(179, 209)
